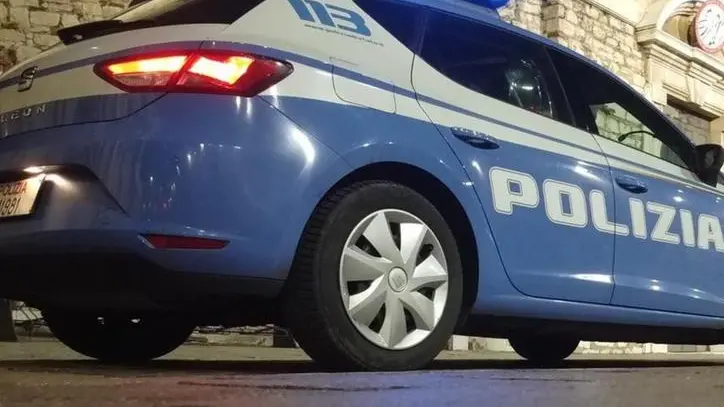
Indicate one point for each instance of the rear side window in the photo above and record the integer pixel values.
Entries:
(604, 107)
(175, 12)
(403, 21)
(495, 63)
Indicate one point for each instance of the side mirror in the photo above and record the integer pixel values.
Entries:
(709, 162)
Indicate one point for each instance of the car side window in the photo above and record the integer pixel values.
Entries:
(493, 62)
(604, 107)
(402, 20)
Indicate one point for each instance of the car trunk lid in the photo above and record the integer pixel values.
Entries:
(60, 86)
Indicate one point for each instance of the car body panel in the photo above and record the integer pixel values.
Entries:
(174, 176)
(252, 170)
(543, 257)
(65, 90)
(669, 259)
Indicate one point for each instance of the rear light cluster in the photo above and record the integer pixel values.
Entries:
(195, 72)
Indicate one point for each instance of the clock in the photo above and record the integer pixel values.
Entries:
(708, 27)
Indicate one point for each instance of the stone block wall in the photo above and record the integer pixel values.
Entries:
(692, 125)
(612, 121)
(525, 14)
(585, 348)
(598, 35)
(29, 26)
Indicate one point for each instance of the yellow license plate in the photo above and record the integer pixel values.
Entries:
(18, 198)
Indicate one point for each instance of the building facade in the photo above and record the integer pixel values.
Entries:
(652, 44)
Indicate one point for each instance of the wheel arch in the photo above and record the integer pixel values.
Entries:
(446, 202)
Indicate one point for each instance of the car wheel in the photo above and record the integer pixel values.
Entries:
(118, 338)
(544, 349)
(377, 280)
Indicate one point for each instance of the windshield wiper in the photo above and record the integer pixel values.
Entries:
(94, 29)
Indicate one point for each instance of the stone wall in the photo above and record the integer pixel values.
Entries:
(696, 127)
(611, 348)
(586, 348)
(598, 35)
(526, 14)
(29, 26)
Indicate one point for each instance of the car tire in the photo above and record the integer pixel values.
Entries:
(118, 339)
(318, 299)
(544, 349)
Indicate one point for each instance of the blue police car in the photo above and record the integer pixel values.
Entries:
(373, 175)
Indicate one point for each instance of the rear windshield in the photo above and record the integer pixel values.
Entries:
(174, 12)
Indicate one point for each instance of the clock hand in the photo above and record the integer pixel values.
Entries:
(718, 28)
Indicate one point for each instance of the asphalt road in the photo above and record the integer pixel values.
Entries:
(44, 374)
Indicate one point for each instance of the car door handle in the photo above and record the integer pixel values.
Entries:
(475, 139)
(631, 184)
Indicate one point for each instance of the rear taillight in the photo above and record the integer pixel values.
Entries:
(195, 72)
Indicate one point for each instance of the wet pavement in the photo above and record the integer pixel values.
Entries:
(46, 374)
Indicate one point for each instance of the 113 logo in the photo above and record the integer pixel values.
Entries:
(331, 16)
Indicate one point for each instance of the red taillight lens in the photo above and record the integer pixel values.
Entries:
(227, 71)
(205, 72)
(144, 73)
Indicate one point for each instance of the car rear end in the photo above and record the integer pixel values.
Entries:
(140, 168)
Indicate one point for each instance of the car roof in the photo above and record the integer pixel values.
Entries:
(470, 10)
(490, 16)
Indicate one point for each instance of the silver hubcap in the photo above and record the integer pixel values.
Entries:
(394, 279)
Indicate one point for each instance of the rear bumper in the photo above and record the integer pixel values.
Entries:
(194, 165)
(123, 280)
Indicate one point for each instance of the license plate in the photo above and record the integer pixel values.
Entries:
(18, 198)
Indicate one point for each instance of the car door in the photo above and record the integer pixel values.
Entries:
(544, 185)
(670, 254)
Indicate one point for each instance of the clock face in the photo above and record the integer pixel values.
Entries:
(709, 26)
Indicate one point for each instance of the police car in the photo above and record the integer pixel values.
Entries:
(373, 175)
